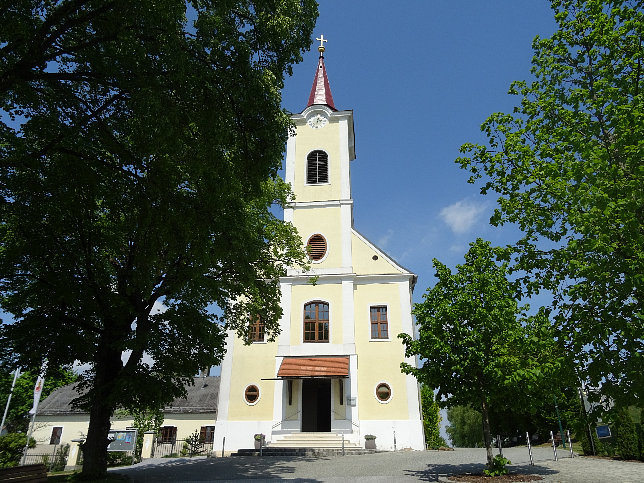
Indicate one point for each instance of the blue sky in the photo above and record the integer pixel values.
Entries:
(421, 77)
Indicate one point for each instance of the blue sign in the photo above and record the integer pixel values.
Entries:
(603, 431)
(122, 440)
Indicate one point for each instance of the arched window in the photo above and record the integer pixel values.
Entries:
(316, 322)
(317, 167)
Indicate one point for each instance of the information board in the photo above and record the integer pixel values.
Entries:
(122, 440)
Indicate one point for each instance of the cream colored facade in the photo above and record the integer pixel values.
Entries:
(352, 277)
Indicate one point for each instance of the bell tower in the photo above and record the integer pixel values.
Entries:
(318, 156)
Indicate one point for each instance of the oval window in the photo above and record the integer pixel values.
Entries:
(383, 392)
(316, 247)
(251, 394)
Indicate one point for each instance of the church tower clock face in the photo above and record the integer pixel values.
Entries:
(317, 121)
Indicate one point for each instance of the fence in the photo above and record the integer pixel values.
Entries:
(54, 460)
(181, 448)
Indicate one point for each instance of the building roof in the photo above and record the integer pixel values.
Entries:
(321, 91)
(202, 397)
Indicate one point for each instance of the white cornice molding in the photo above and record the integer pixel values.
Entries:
(319, 204)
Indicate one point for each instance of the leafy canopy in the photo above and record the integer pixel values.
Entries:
(140, 152)
(567, 167)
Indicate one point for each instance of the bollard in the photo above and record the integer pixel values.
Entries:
(527, 438)
(554, 446)
(342, 444)
(499, 444)
(572, 455)
(394, 440)
(223, 445)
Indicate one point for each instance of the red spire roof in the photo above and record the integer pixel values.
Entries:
(321, 92)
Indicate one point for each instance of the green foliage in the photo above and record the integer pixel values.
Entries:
(145, 420)
(477, 345)
(60, 459)
(626, 437)
(11, 446)
(567, 168)
(498, 466)
(465, 427)
(193, 445)
(431, 419)
(22, 398)
(140, 156)
(119, 458)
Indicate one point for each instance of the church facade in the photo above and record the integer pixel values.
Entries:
(335, 366)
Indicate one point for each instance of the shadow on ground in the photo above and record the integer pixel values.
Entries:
(199, 469)
(435, 472)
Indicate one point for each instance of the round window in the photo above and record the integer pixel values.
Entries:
(383, 392)
(316, 247)
(251, 394)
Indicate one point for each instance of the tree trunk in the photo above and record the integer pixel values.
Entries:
(95, 448)
(108, 366)
(486, 430)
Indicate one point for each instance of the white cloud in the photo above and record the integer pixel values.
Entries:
(462, 215)
(383, 241)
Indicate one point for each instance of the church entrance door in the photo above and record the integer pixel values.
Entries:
(316, 405)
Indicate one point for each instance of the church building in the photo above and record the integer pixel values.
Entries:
(335, 367)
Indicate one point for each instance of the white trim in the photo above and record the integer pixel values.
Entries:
(319, 204)
(413, 391)
(285, 320)
(315, 349)
(345, 178)
(259, 393)
(62, 430)
(226, 376)
(346, 220)
(348, 311)
(289, 176)
(278, 394)
(391, 392)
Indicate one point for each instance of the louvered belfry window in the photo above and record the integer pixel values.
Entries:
(316, 247)
(317, 167)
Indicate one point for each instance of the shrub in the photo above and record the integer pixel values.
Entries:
(11, 446)
(626, 444)
(498, 467)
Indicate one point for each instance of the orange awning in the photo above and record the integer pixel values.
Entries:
(300, 367)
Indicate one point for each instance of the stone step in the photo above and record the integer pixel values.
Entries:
(311, 444)
(316, 452)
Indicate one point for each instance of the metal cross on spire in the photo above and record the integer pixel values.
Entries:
(321, 48)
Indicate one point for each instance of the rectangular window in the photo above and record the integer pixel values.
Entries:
(207, 434)
(379, 327)
(257, 330)
(168, 434)
(56, 433)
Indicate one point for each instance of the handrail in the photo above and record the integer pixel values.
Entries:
(288, 418)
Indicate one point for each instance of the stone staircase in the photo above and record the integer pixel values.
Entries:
(306, 444)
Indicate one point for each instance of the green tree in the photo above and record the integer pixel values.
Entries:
(431, 418)
(11, 448)
(22, 398)
(140, 156)
(626, 437)
(477, 345)
(567, 168)
(465, 427)
(150, 419)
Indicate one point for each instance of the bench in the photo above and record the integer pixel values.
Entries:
(30, 473)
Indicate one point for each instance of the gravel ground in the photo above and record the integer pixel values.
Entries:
(398, 466)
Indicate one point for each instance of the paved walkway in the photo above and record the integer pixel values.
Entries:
(399, 466)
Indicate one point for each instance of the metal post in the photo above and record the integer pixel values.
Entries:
(342, 444)
(499, 444)
(394, 440)
(559, 421)
(261, 446)
(223, 445)
(570, 443)
(554, 446)
(24, 451)
(6, 408)
(527, 438)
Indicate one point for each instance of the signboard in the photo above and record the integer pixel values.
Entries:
(122, 440)
(603, 431)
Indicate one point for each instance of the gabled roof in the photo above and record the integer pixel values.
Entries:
(321, 91)
(202, 397)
